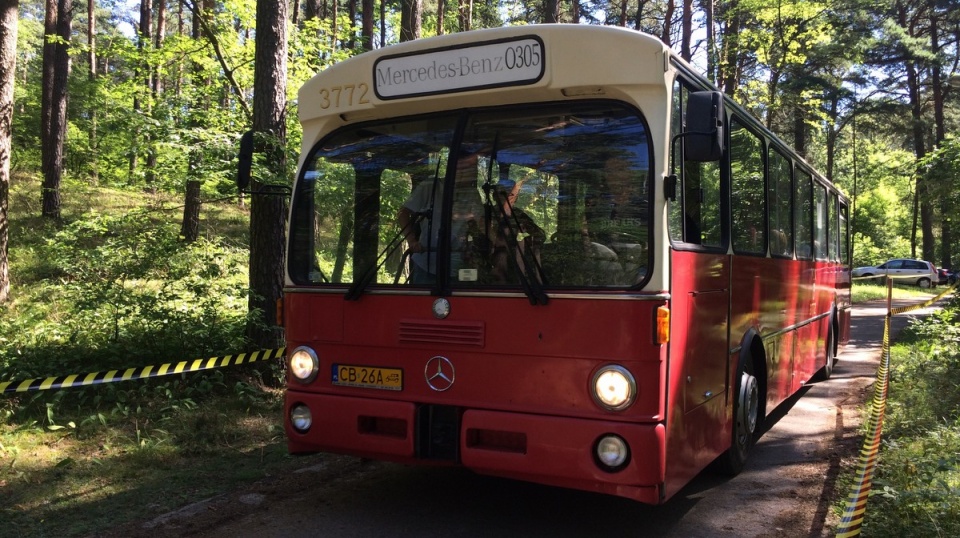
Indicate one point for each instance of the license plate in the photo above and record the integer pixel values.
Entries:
(367, 377)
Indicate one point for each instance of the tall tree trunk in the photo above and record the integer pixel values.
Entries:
(268, 213)
(181, 32)
(711, 45)
(441, 7)
(410, 19)
(190, 227)
(158, 43)
(312, 10)
(551, 11)
(92, 107)
(8, 75)
(686, 32)
(56, 74)
(638, 20)
(940, 132)
(799, 131)
(334, 13)
(142, 69)
(729, 70)
(353, 24)
(466, 15)
(668, 23)
(921, 204)
(156, 88)
(367, 24)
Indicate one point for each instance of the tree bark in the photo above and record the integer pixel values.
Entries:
(156, 88)
(268, 213)
(410, 19)
(940, 133)
(441, 7)
(551, 11)
(466, 15)
(190, 229)
(367, 24)
(56, 72)
(921, 203)
(8, 74)
(668, 23)
(686, 36)
(92, 77)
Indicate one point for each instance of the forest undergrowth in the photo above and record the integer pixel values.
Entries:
(113, 286)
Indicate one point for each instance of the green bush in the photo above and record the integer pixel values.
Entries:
(116, 292)
(917, 480)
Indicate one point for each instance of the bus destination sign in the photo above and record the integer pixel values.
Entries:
(511, 62)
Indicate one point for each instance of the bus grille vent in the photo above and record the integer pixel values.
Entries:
(441, 332)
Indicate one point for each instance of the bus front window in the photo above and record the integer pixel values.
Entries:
(536, 198)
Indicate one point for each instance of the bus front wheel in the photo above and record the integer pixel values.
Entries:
(746, 419)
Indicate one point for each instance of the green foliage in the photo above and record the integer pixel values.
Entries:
(112, 287)
(917, 483)
(121, 284)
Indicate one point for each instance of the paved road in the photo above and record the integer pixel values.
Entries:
(786, 489)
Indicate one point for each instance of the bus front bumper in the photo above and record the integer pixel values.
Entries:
(550, 450)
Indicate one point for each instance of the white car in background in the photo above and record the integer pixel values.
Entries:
(905, 271)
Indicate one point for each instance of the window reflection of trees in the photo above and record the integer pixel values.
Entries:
(695, 215)
(355, 182)
(747, 200)
(779, 205)
(803, 212)
(820, 221)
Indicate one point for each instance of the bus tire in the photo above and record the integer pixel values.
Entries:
(746, 420)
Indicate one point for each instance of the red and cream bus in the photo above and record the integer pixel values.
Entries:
(551, 253)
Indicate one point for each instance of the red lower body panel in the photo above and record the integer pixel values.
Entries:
(549, 450)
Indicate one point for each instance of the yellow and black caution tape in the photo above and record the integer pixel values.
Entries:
(856, 507)
(113, 376)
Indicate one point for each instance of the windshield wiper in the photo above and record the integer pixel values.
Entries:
(356, 289)
(531, 283)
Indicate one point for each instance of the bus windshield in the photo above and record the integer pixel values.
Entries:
(533, 198)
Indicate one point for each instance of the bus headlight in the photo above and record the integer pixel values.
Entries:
(612, 452)
(300, 418)
(304, 364)
(614, 387)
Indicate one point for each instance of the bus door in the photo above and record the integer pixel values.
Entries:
(700, 294)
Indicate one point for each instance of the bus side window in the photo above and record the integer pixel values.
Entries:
(747, 196)
(695, 216)
(820, 222)
(803, 215)
(780, 194)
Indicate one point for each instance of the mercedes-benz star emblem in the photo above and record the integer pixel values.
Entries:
(439, 373)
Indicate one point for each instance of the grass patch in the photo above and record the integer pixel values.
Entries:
(863, 291)
(916, 485)
(113, 286)
(78, 480)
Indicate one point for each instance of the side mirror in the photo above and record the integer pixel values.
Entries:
(245, 158)
(704, 127)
